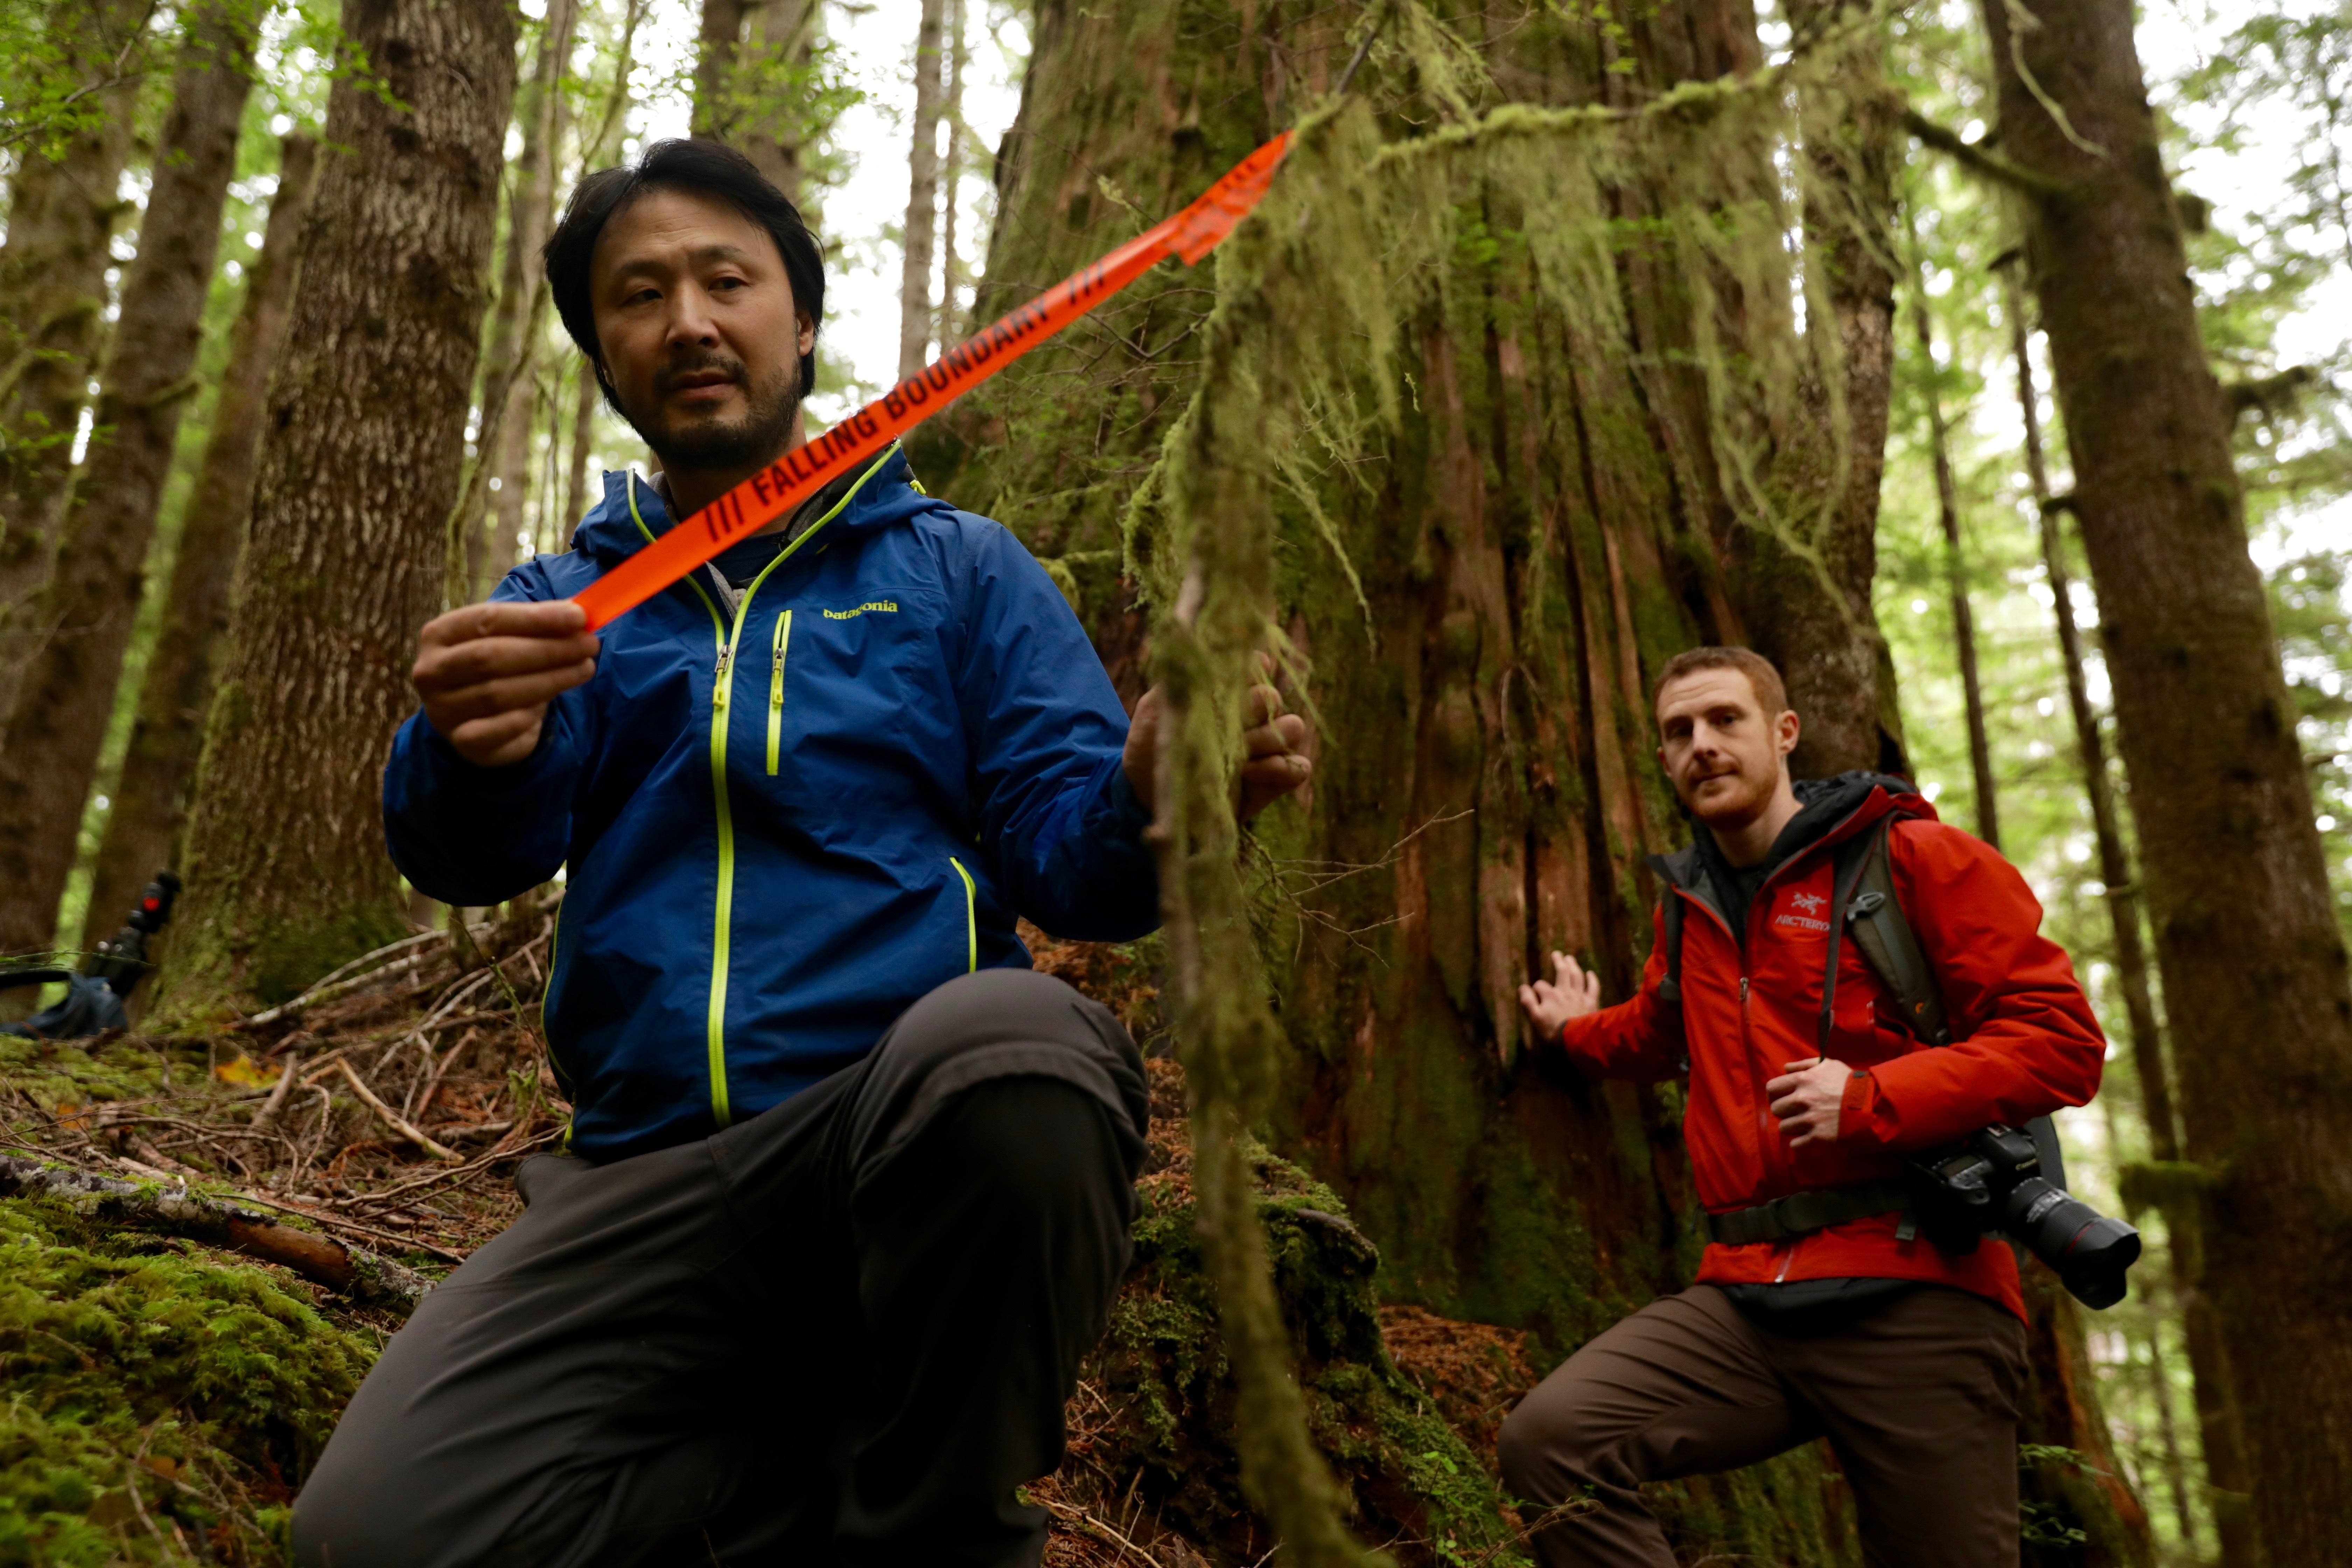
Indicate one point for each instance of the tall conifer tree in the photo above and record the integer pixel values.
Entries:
(287, 872)
(2256, 980)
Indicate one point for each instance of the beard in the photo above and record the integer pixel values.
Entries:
(1750, 793)
(704, 442)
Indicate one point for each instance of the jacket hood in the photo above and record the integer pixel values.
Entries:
(881, 493)
(1824, 807)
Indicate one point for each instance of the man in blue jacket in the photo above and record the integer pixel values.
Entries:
(849, 1185)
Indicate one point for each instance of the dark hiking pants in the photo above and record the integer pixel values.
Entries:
(1918, 1398)
(839, 1333)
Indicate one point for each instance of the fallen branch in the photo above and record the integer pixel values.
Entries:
(392, 1119)
(317, 994)
(367, 1280)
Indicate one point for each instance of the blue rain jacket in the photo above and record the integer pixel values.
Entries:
(783, 826)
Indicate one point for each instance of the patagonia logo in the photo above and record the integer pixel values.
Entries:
(1805, 912)
(876, 607)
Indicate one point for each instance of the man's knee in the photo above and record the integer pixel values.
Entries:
(1008, 1024)
(1548, 1444)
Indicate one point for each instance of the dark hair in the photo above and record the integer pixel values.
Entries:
(703, 167)
(1772, 693)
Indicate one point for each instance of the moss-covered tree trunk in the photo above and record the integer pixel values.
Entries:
(287, 872)
(1477, 600)
(1537, 540)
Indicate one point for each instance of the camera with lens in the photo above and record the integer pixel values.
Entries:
(1996, 1182)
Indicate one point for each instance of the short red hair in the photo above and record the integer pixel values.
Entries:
(1763, 678)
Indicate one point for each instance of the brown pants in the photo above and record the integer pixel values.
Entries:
(1918, 1399)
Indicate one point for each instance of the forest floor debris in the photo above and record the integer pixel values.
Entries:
(167, 1388)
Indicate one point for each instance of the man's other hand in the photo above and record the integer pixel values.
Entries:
(1571, 993)
(486, 673)
(1807, 1098)
(1274, 749)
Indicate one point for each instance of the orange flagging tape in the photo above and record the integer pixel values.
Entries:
(799, 474)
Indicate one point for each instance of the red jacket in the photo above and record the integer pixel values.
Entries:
(2024, 1043)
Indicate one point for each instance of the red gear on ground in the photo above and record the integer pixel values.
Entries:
(2024, 1042)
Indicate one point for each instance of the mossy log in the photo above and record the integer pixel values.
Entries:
(368, 1280)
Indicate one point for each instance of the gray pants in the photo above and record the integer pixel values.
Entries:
(1918, 1399)
(839, 1333)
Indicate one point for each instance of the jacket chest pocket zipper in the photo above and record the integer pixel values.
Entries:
(776, 691)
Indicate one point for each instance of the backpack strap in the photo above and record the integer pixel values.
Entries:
(1670, 989)
(1847, 867)
(1670, 875)
(1867, 895)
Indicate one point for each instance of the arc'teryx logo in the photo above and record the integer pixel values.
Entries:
(1804, 912)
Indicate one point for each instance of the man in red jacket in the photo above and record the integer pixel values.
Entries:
(1828, 1316)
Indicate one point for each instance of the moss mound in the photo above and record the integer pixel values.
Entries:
(159, 1407)
(1153, 1456)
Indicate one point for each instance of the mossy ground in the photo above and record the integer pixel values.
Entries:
(161, 1403)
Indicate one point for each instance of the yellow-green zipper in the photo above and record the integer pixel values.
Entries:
(776, 690)
(717, 1025)
(722, 681)
(970, 918)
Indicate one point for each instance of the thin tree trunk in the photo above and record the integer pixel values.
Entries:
(749, 85)
(286, 868)
(923, 197)
(55, 724)
(53, 300)
(151, 799)
(2176, 1463)
(584, 420)
(946, 328)
(1956, 577)
(2254, 967)
(505, 442)
(585, 392)
(2218, 1429)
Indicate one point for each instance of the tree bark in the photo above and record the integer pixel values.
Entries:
(751, 61)
(285, 869)
(1956, 577)
(53, 266)
(1807, 606)
(504, 446)
(151, 799)
(2252, 957)
(2217, 1415)
(922, 198)
(65, 695)
(1530, 554)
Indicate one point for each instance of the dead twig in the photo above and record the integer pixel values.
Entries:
(392, 1119)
